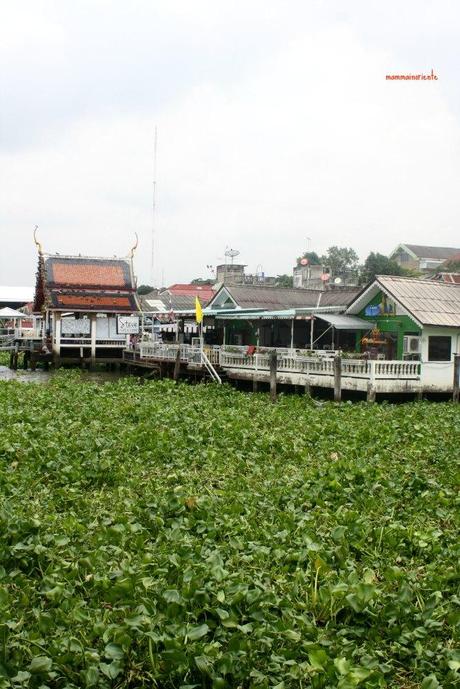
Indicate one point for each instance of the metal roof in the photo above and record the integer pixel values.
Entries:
(12, 313)
(342, 322)
(339, 321)
(436, 252)
(258, 315)
(282, 298)
(16, 294)
(428, 302)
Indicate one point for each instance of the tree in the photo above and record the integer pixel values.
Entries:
(202, 281)
(312, 257)
(378, 264)
(341, 260)
(144, 289)
(284, 281)
(452, 265)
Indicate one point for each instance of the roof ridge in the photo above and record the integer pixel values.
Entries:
(427, 281)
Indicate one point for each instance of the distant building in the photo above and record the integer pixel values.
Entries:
(425, 259)
(230, 273)
(233, 274)
(308, 275)
(321, 277)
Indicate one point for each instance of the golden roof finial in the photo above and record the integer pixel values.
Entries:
(39, 246)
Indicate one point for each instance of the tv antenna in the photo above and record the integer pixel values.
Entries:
(154, 206)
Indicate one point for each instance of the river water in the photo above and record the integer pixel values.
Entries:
(41, 376)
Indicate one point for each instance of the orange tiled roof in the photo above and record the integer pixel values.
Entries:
(87, 273)
(92, 301)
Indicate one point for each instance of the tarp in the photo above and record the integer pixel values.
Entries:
(11, 313)
(342, 322)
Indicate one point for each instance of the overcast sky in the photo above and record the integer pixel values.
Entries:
(275, 123)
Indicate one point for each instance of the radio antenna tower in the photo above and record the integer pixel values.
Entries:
(154, 206)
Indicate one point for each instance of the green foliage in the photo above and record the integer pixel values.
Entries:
(144, 289)
(194, 536)
(378, 264)
(284, 281)
(341, 260)
(452, 265)
(4, 358)
(312, 256)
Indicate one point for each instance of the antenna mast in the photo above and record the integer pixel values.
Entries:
(154, 205)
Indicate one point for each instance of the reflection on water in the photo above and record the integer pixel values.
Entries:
(41, 376)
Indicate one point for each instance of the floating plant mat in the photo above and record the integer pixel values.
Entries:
(164, 535)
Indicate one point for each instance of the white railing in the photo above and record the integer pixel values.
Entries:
(6, 341)
(294, 363)
(288, 361)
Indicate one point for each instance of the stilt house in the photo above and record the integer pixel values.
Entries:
(89, 305)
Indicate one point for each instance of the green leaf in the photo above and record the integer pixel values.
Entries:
(172, 596)
(113, 651)
(430, 682)
(197, 632)
(318, 659)
(40, 664)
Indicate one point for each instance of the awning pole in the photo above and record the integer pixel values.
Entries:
(312, 325)
(292, 334)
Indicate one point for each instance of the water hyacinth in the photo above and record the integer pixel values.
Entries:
(195, 536)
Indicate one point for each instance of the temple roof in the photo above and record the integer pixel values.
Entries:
(83, 283)
(71, 271)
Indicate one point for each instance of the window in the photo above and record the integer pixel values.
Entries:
(439, 348)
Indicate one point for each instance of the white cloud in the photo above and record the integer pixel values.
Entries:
(303, 137)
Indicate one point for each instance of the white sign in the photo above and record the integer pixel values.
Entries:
(75, 326)
(128, 325)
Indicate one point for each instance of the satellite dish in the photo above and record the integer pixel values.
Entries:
(231, 253)
(304, 261)
(337, 281)
(325, 277)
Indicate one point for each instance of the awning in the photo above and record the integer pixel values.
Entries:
(285, 314)
(342, 322)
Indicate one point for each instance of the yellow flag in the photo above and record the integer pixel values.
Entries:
(198, 311)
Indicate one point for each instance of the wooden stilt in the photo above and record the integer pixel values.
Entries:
(456, 388)
(337, 378)
(177, 366)
(370, 392)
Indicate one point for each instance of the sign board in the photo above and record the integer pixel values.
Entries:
(128, 325)
(372, 310)
(75, 326)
